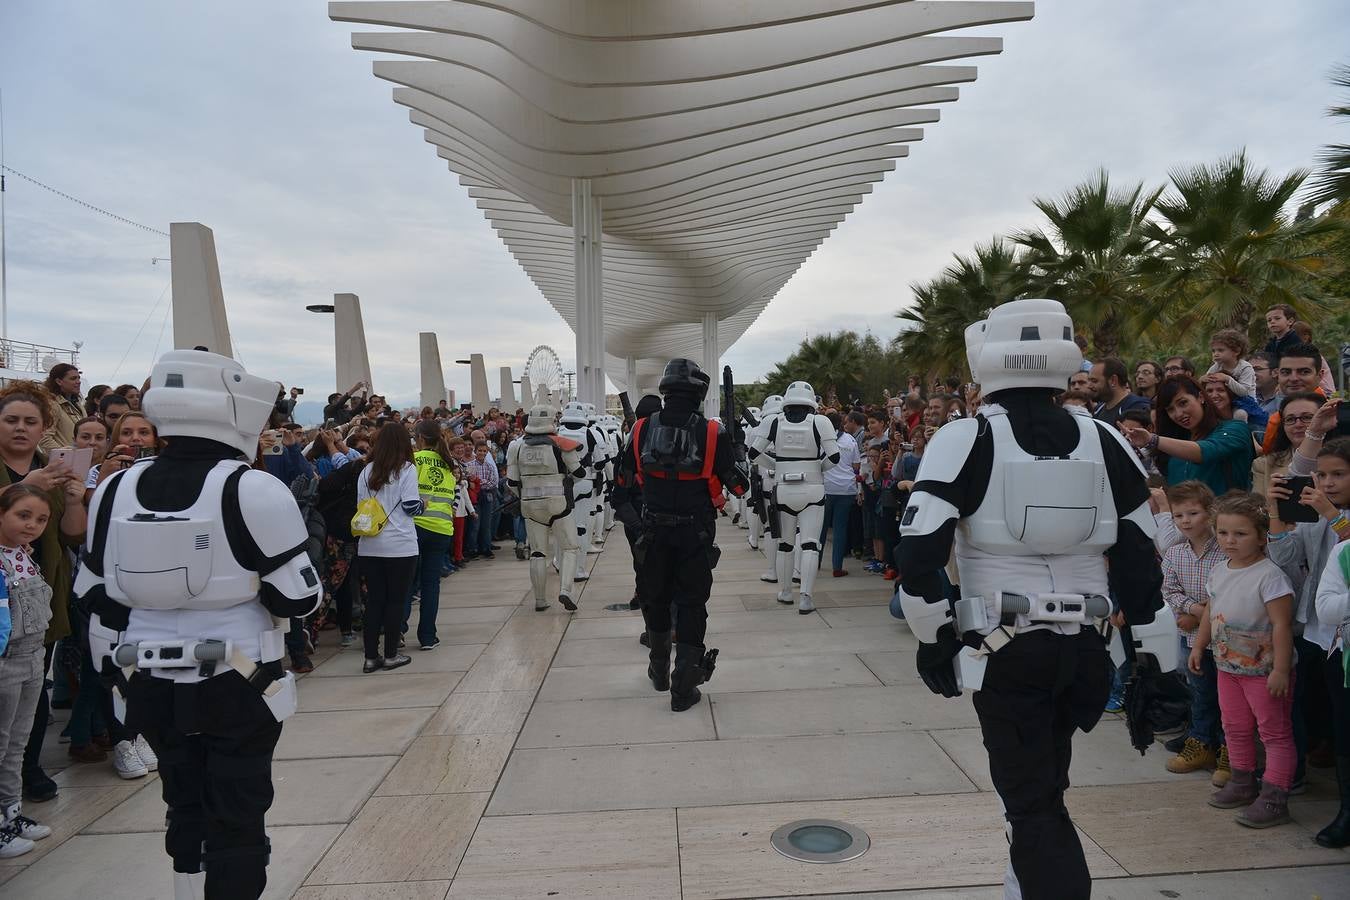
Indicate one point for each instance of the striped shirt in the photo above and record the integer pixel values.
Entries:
(1184, 578)
(485, 472)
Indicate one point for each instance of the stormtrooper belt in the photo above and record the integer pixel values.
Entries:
(995, 617)
(210, 657)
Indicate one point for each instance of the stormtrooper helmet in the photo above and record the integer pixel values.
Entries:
(541, 420)
(753, 411)
(773, 405)
(574, 413)
(194, 393)
(683, 376)
(1023, 344)
(799, 393)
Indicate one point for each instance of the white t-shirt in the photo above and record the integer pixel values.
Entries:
(1240, 630)
(841, 478)
(399, 536)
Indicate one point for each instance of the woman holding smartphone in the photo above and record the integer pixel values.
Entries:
(135, 437)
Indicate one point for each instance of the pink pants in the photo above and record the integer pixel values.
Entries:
(1246, 706)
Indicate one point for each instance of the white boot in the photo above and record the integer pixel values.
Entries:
(785, 596)
(804, 604)
(189, 886)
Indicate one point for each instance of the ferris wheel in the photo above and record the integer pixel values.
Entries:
(545, 369)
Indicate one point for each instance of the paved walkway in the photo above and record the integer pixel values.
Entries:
(528, 757)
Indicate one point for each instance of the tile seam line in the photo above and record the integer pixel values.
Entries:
(526, 600)
(959, 768)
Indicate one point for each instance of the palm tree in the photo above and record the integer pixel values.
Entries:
(1091, 255)
(1225, 249)
(1333, 179)
(833, 363)
(967, 289)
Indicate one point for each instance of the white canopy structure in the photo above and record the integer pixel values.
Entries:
(661, 168)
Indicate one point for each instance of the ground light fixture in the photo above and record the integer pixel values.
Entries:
(820, 841)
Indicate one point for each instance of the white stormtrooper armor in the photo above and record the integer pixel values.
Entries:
(601, 471)
(573, 426)
(801, 450)
(544, 467)
(178, 573)
(750, 520)
(1043, 524)
(612, 429)
(773, 405)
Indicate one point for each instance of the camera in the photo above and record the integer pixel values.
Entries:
(299, 390)
(907, 446)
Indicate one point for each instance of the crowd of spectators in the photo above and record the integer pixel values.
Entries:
(363, 448)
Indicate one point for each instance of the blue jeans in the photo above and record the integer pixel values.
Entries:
(431, 548)
(518, 529)
(480, 533)
(1205, 724)
(837, 509)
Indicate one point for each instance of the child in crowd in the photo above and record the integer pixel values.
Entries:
(1077, 399)
(1249, 623)
(1186, 567)
(27, 598)
(1228, 349)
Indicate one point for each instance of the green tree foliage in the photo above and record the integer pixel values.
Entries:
(1332, 183)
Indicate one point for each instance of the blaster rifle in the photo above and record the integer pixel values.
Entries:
(729, 417)
(629, 417)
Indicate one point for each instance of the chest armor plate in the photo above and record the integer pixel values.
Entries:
(672, 448)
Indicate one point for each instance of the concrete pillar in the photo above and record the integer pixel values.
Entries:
(450, 400)
(526, 391)
(349, 338)
(433, 378)
(478, 384)
(588, 271)
(198, 302)
(508, 391)
(711, 365)
(630, 379)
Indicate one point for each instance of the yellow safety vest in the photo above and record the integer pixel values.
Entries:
(436, 486)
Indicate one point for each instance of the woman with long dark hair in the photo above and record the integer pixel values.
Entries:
(63, 383)
(1192, 441)
(388, 559)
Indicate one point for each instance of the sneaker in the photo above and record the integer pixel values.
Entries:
(37, 787)
(86, 753)
(1193, 757)
(25, 828)
(432, 644)
(402, 642)
(873, 568)
(890, 574)
(1222, 770)
(347, 639)
(12, 845)
(127, 761)
(769, 578)
(397, 662)
(146, 754)
(301, 665)
(520, 551)
(1175, 744)
(489, 555)
(840, 573)
(1115, 704)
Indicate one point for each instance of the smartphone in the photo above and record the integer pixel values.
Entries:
(147, 453)
(907, 446)
(329, 424)
(1291, 510)
(299, 390)
(80, 460)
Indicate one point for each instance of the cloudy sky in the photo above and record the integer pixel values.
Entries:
(257, 118)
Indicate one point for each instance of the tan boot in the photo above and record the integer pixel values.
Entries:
(1222, 771)
(1193, 757)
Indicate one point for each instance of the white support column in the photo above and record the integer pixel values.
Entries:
(433, 378)
(588, 264)
(478, 384)
(508, 390)
(198, 302)
(711, 403)
(349, 338)
(630, 380)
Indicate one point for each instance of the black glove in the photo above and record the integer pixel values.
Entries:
(935, 663)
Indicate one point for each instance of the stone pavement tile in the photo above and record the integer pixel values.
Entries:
(738, 645)
(482, 712)
(94, 775)
(773, 673)
(134, 867)
(410, 890)
(768, 599)
(402, 689)
(1102, 756)
(8, 872)
(520, 645)
(878, 616)
(718, 624)
(529, 621)
(308, 792)
(596, 855)
(446, 658)
(449, 764)
(472, 615)
(849, 710)
(725, 852)
(359, 732)
(453, 598)
(993, 892)
(1248, 884)
(584, 723)
(649, 776)
(463, 632)
(1157, 828)
(396, 839)
(894, 667)
(72, 810)
(523, 674)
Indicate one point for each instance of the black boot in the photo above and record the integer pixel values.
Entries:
(686, 677)
(658, 669)
(1337, 834)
